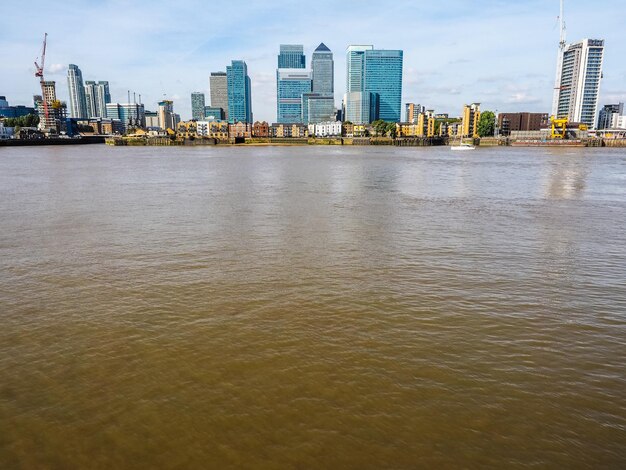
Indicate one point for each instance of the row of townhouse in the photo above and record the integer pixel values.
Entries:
(222, 130)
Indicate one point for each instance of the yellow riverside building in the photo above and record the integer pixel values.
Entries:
(187, 129)
(199, 129)
(471, 116)
(424, 127)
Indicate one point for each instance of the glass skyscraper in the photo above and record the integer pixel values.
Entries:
(78, 103)
(291, 84)
(355, 60)
(356, 103)
(383, 78)
(578, 81)
(219, 91)
(197, 105)
(97, 96)
(239, 92)
(291, 56)
(373, 84)
(322, 71)
(319, 106)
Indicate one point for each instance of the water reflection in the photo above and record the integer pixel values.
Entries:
(566, 177)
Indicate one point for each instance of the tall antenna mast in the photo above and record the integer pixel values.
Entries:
(562, 27)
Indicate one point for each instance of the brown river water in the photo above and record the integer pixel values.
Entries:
(312, 308)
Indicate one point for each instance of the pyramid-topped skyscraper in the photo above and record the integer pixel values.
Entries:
(322, 68)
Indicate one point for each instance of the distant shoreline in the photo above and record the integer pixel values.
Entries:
(345, 142)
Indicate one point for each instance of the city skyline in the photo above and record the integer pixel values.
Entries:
(502, 71)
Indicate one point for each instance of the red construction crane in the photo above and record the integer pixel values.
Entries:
(39, 73)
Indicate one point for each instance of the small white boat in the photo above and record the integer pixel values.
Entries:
(462, 147)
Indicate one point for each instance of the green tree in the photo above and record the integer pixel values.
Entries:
(390, 129)
(486, 124)
(30, 120)
(379, 126)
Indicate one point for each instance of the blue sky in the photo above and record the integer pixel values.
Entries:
(501, 53)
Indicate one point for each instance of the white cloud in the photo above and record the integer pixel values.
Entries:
(455, 52)
(55, 68)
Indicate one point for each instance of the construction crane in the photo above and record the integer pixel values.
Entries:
(39, 73)
(562, 45)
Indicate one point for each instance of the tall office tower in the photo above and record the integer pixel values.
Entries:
(291, 56)
(578, 81)
(356, 102)
(197, 105)
(373, 84)
(219, 91)
(78, 105)
(90, 99)
(166, 115)
(413, 110)
(97, 96)
(323, 71)
(291, 84)
(239, 92)
(103, 97)
(355, 67)
(383, 77)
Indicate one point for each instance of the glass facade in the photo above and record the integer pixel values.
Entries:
(213, 112)
(609, 115)
(373, 84)
(291, 84)
(16, 111)
(355, 58)
(103, 96)
(358, 107)
(579, 79)
(383, 78)
(130, 114)
(317, 107)
(322, 71)
(591, 88)
(97, 96)
(197, 105)
(239, 92)
(78, 104)
(219, 91)
(291, 56)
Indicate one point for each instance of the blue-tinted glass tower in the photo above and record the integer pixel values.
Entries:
(291, 82)
(373, 84)
(239, 93)
(291, 56)
(291, 85)
(383, 79)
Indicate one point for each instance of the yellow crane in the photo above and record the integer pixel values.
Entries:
(559, 127)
